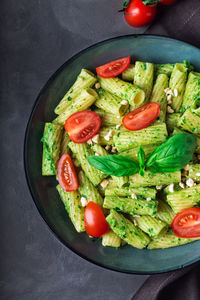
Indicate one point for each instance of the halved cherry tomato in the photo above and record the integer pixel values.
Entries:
(95, 221)
(66, 172)
(141, 117)
(167, 2)
(137, 14)
(187, 223)
(114, 67)
(82, 126)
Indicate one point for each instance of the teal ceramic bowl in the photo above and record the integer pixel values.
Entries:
(127, 259)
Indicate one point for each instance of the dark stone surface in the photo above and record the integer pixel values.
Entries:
(37, 36)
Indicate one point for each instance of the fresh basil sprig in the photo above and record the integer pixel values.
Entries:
(141, 161)
(173, 155)
(116, 165)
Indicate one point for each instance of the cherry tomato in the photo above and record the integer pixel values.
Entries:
(137, 14)
(66, 172)
(141, 117)
(95, 221)
(187, 223)
(114, 67)
(167, 2)
(82, 126)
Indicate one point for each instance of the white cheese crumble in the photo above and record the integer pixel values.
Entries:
(135, 223)
(104, 183)
(136, 216)
(95, 138)
(169, 99)
(117, 126)
(190, 182)
(97, 154)
(97, 85)
(107, 147)
(84, 201)
(175, 92)
(168, 91)
(197, 174)
(134, 196)
(108, 136)
(124, 102)
(148, 199)
(181, 184)
(89, 142)
(171, 187)
(114, 150)
(170, 110)
(158, 187)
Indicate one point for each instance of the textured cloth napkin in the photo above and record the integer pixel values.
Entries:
(180, 21)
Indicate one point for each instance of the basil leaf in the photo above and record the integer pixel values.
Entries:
(141, 160)
(173, 155)
(116, 165)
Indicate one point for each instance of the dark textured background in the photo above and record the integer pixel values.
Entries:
(37, 36)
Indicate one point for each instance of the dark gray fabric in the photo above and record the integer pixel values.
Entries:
(180, 21)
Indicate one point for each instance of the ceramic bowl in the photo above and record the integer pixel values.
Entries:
(156, 49)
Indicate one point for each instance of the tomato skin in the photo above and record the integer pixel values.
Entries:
(66, 173)
(167, 2)
(113, 68)
(95, 221)
(186, 224)
(141, 117)
(82, 126)
(137, 14)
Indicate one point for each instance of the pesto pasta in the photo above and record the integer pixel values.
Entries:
(137, 187)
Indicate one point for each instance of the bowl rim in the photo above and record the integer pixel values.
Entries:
(28, 126)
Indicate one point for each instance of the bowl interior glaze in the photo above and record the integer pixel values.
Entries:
(127, 259)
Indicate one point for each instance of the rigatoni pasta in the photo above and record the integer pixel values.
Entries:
(140, 209)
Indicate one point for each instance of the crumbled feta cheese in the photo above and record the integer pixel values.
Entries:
(169, 99)
(135, 223)
(168, 91)
(197, 174)
(124, 102)
(118, 117)
(97, 85)
(175, 92)
(148, 199)
(114, 150)
(95, 138)
(190, 182)
(97, 154)
(89, 142)
(84, 201)
(171, 187)
(181, 184)
(107, 147)
(158, 187)
(170, 110)
(104, 183)
(134, 196)
(117, 126)
(108, 136)
(136, 216)
(186, 168)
